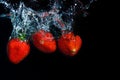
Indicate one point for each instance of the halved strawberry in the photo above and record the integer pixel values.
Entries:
(44, 41)
(69, 44)
(17, 50)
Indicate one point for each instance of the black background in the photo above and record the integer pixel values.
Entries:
(56, 64)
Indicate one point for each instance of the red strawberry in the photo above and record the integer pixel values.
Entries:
(17, 50)
(69, 44)
(44, 41)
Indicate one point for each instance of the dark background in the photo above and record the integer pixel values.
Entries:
(44, 65)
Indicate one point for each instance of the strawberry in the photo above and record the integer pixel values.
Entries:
(69, 44)
(44, 41)
(17, 50)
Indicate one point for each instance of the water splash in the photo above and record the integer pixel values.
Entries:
(26, 21)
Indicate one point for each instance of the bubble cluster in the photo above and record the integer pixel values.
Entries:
(26, 20)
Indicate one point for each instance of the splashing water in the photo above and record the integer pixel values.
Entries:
(26, 21)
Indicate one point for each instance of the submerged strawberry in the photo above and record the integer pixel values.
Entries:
(44, 41)
(17, 50)
(69, 44)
